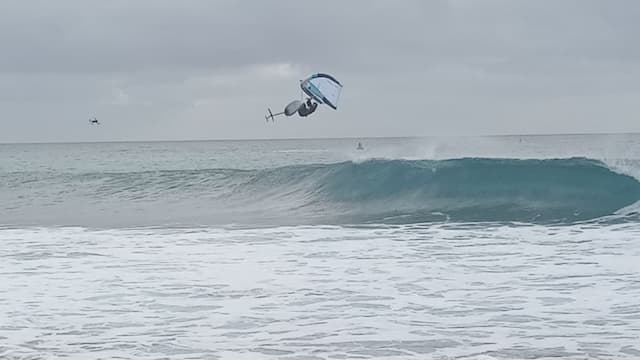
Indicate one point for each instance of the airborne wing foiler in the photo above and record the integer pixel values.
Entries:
(320, 89)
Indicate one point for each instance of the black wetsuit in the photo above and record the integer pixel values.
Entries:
(307, 109)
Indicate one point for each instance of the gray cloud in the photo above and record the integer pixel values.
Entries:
(162, 69)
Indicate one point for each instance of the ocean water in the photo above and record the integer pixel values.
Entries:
(513, 247)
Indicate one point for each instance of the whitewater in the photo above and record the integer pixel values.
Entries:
(510, 247)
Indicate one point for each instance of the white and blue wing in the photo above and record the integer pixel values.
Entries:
(323, 88)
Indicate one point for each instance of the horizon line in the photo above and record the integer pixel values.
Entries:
(313, 138)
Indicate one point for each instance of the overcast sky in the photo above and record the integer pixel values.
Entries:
(190, 69)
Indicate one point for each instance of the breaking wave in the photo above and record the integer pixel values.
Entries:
(373, 191)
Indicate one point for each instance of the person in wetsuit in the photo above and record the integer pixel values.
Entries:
(307, 108)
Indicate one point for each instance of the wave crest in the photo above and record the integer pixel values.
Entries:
(373, 191)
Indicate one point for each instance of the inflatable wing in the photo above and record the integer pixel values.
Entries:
(323, 88)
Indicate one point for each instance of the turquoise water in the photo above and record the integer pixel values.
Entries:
(478, 247)
(322, 182)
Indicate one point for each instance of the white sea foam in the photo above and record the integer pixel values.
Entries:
(476, 291)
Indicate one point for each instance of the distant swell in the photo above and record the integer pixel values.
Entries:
(374, 191)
